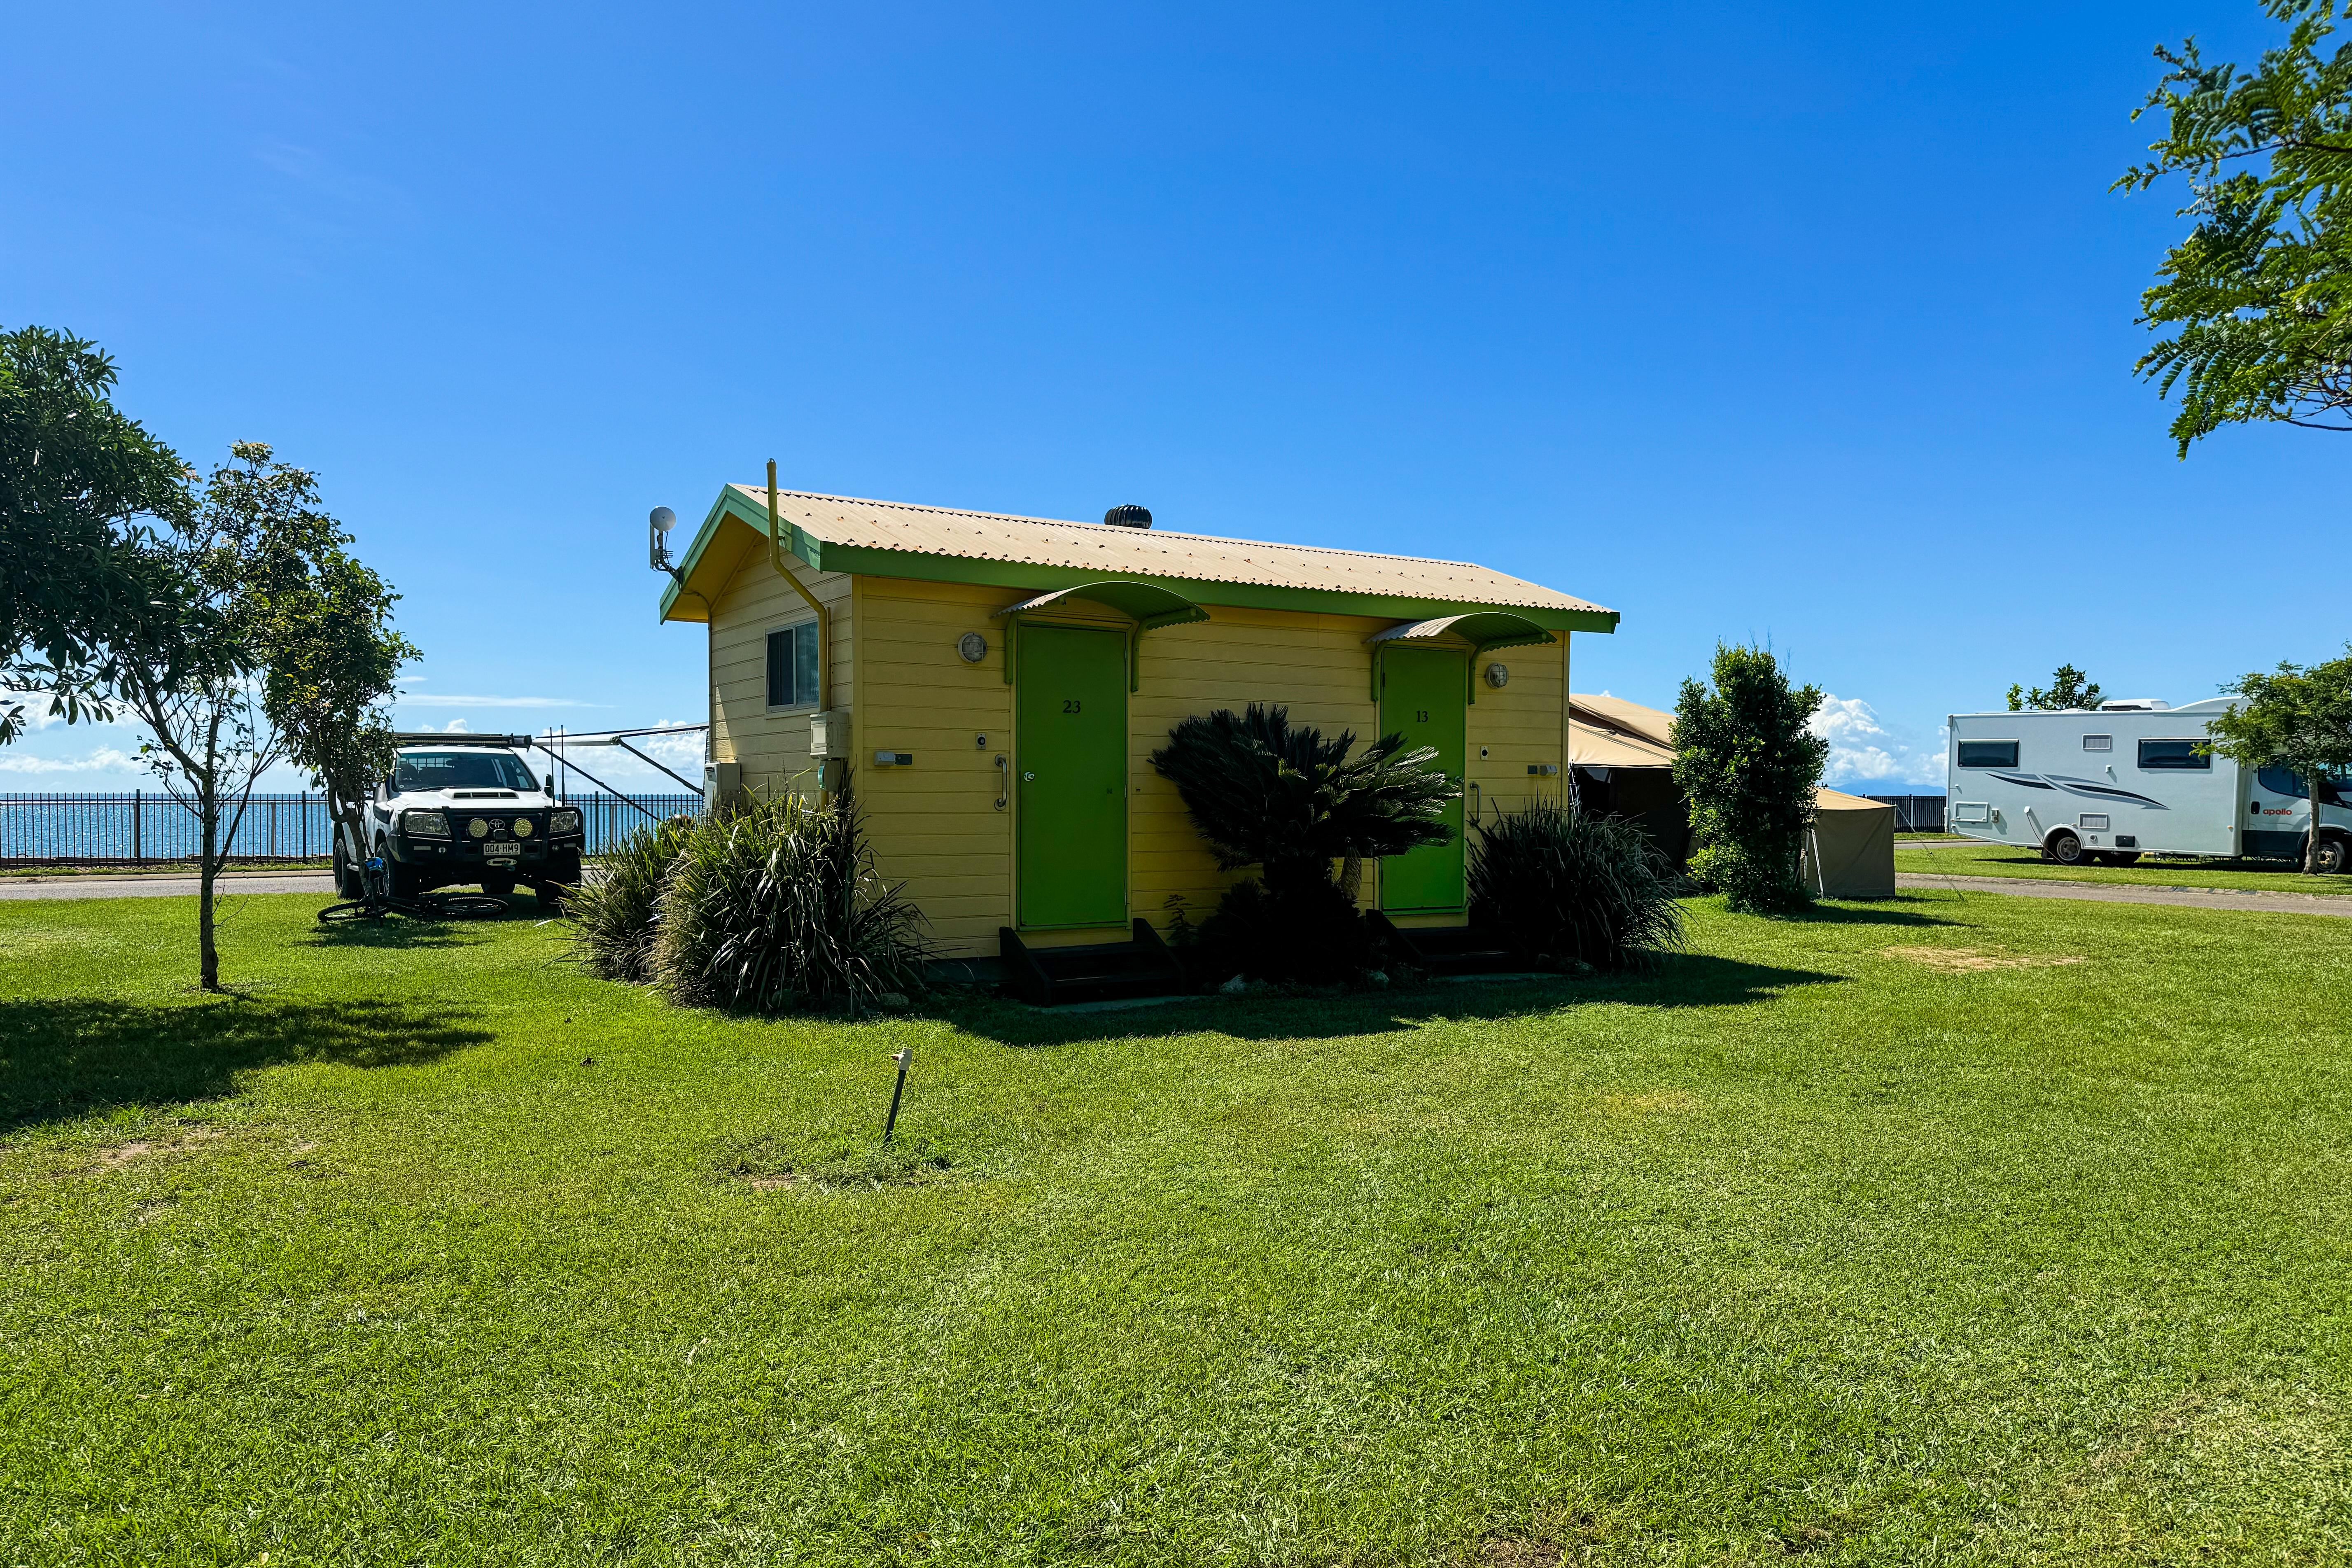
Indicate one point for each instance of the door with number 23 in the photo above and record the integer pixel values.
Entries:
(1070, 747)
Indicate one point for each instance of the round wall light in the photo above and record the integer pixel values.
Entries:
(972, 647)
(1499, 676)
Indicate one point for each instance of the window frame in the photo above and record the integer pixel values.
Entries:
(800, 705)
(2193, 763)
(1960, 752)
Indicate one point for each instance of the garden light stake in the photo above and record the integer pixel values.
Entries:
(903, 1057)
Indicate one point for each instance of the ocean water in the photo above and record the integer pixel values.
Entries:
(148, 826)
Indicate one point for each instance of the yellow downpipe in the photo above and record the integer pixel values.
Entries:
(823, 617)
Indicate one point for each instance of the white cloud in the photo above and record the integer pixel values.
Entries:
(105, 760)
(1864, 749)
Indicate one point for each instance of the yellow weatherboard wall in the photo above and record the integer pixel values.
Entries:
(936, 824)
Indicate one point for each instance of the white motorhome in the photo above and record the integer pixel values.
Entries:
(2108, 785)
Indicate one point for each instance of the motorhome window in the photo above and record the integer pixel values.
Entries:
(2154, 755)
(460, 770)
(791, 666)
(2337, 791)
(2098, 742)
(1988, 754)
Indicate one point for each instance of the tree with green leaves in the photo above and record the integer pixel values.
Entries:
(257, 579)
(2299, 718)
(333, 656)
(2068, 688)
(82, 487)
(1748, 764)
(1291, 803)
(2256, 298)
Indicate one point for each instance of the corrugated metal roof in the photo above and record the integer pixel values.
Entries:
(1148, 552)
(1649, 724)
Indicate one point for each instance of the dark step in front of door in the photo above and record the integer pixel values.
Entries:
(1453, 949)
(1097, 972)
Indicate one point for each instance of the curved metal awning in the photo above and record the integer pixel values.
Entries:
(1149, 605)
(1482, 630)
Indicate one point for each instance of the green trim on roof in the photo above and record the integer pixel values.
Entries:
(869, 561)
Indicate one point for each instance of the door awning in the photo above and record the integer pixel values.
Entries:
(1150, 604)
(1482, 630)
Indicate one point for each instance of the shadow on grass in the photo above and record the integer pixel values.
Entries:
(1686, 980)
(1876, 913)
(66, 1057)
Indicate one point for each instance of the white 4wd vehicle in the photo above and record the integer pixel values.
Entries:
(464, 808)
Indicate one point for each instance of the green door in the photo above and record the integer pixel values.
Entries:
(1070, 748)
(1423, 699)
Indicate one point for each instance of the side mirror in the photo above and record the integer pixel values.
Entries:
(551, 784)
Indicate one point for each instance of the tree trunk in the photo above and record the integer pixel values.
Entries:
(1351, 875)
(2311, 838)
(207, 869)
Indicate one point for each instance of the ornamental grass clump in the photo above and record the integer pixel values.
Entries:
(1574, 887)
(614, 913)
(779, 908)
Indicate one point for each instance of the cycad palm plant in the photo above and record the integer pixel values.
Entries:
(1290, 803)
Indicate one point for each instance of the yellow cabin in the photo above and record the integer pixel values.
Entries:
(998, 683)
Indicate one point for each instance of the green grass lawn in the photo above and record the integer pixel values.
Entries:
(1974, 857)
(1956, 1229)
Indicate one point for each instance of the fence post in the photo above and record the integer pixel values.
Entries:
(138, 810)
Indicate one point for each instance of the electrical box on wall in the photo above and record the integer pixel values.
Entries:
(828, 734)
(1543, 769)
(894, 759)
(722, 783)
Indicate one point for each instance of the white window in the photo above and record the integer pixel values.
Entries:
(2092, 822)
(2098, 742)
(791, 666)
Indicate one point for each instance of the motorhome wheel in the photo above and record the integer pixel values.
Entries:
(2333, 856)
(2065, 848)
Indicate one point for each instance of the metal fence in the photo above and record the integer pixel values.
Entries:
(1915, 812)
(145, 826)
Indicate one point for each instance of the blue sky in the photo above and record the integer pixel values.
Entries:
(1805, 324)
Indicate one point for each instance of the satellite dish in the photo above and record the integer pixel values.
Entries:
(663, 519)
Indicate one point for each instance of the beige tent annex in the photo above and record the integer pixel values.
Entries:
(1850, 854)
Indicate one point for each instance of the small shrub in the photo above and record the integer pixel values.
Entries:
(613, 913)
(778, 907)
(1575, 887)
(1262, 792)
(1305, 930)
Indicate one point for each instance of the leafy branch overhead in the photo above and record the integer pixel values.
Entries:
(2068, 688)
(2255, 298)
(82, 487)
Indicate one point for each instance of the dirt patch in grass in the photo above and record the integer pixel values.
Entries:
(773, 1164)
(1977, 960)
(114, 1157)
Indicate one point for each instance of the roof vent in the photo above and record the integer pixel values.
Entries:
(1129, 517)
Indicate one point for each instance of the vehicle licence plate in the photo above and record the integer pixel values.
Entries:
(501, 851)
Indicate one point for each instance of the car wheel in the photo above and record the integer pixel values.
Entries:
(498, 887)
(2065, 848)
(401, 881)
(347, 876)
(2333, 856)
(550, 896)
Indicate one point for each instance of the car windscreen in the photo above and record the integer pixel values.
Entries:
(2336, 790)
(460, 770)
